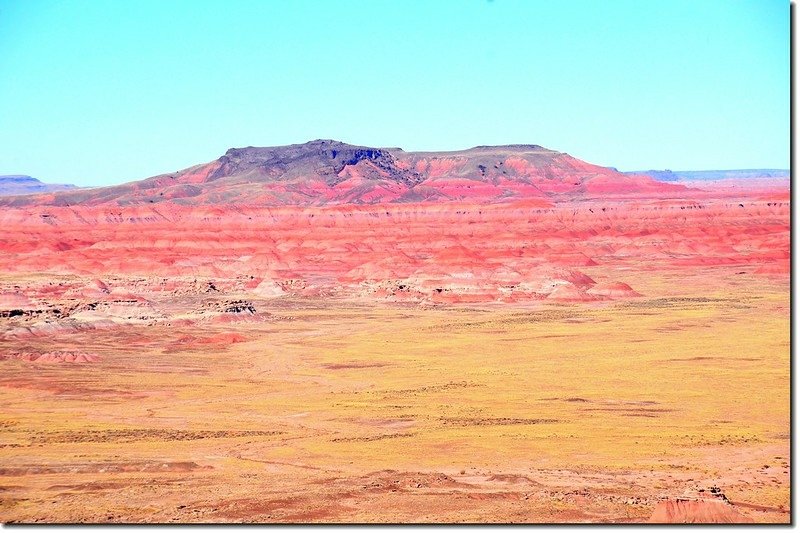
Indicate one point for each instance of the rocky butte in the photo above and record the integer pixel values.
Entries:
(340, 333)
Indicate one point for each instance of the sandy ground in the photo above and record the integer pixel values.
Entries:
(354, 410)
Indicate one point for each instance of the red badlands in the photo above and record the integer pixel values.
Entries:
(488, 224)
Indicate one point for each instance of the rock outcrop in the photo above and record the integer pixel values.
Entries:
(698, 506)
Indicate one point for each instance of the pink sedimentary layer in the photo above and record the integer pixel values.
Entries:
(519, 249)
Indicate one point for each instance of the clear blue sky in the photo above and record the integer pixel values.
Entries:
(105, 91)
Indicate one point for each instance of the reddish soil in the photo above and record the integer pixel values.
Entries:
(332, 333)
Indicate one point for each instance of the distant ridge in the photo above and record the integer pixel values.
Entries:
(699, 175)
(17, 184)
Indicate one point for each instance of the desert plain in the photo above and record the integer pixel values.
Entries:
(554, 343)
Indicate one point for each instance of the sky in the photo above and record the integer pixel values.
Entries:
(96, 92)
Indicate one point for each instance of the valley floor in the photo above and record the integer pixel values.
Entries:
(352, 410)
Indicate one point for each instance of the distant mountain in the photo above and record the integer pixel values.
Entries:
(14, 185)
(326, 172)
(707, 175)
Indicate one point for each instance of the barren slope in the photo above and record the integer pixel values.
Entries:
(326, 172)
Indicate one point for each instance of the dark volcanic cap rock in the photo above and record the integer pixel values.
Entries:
(326, 158)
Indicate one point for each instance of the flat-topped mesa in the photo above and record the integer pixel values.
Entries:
(20, 184)
(329, 172)
(515, 147)
(484, 149)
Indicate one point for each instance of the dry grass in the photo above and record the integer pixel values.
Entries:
(341, 412)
